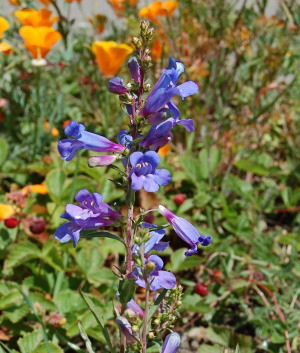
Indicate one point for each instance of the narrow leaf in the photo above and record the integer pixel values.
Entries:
(86, 339)
(101, 235)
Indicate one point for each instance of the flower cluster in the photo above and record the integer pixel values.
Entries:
(151, 121)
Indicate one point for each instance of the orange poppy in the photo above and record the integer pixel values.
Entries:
(66, 123)
(157, 9)
(36, 18)
(39, 40)
(14, 2)
(45, 2)
(5, 48)
(98, 22)
(36, 188)
(4, 25)
(164, 151)
(70, 1)
(119, 5)
(110, 56)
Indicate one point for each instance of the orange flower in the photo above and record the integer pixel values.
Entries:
(110, 56)
(163, 151)
(119, 5)
(14, 2)
(70, 1)
(36, 18)
(156, 50)
(5, 48)
(98, 22)
(39, 40)
(45, 2)
(66, 123)
(36, 188)
(4, 25)
(158, 9)
(6, 211)
(54, 132)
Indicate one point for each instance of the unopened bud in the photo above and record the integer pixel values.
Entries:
(135, 328)
(147, 87)
(150, 266)
(179, 302)
(156, 322)
(147, 51)
(144, 25)
(137, 42)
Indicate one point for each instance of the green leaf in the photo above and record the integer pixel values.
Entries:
(3, 150)
(101, 235)
(20, 253)
(94, 310)
(126, 290)
(250, 166)
(204, 163)
(52, 348)
(86, 339)
(30, 342)
(55, 183)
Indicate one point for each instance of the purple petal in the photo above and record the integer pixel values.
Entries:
(66, 232)
(82, 195)
(153, 158)
(68, 148)
(187, 89)
(159, 264)
(171, 343)
(137, 182)
(158, 100)
(185, 230)
(150, 184)
(187, 124)
(162, 177)
(164, 280)
(134, 68)
(175, 111)
(156, 236)
(135, 308)
(74, 129)
(134, 158)
(116, 86)
(161, 246)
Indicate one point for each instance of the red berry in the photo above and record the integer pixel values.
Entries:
(11, 222)
(201, 289)
(179, 199)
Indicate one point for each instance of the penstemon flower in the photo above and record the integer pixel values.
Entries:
(84, 140)
(144, 174)
(186, 231)
(91, 213)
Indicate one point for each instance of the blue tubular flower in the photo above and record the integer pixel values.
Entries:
(144, 174)
(157, 278)
(171, 343)
(91, 214)
(165, 89)
(116, 86)
(160, 134)
(84, 140)
(125, 328)
(186, 231)
(125, 138)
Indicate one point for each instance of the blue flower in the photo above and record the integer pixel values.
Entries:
(154, 243)
(186, 231)
(132, 305)
(144, 174)
(171, 343)
(165, 89)
(124, 138)
(116, 86)
(84, 140)
(160, 134)
(157, 278)
(91, 214)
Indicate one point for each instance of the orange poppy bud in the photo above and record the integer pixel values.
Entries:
(66, 123)
(110, 56)
(54, 132)
(157, 9)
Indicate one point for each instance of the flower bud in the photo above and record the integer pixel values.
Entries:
(99, 161)
(150, 266)
(137, 42)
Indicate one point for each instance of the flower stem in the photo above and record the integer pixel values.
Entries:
(129, 239)
(145, 324)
